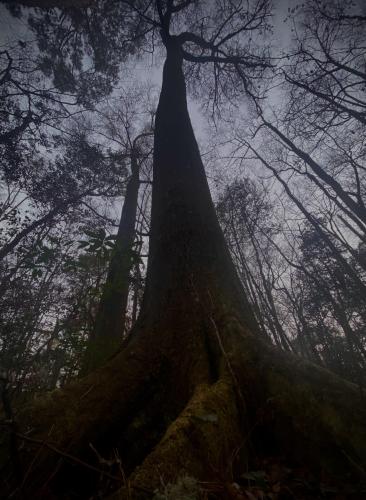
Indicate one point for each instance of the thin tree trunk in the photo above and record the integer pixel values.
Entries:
(348, 269)
(356, 208)
(109, 328)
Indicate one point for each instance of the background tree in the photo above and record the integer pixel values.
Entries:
(110, 322)
(245, 213)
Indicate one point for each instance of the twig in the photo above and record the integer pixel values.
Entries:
(86, 392)
(34, 460)
(355, 464)
(68, 456)
(231, 370)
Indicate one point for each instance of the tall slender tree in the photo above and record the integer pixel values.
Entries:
(110, 320)
(195, 384)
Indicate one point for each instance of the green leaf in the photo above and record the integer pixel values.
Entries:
(90, 233)
(83, 244)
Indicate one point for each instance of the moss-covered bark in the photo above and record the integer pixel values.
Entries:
(194, 391)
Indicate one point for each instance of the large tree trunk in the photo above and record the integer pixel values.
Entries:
(194, 384)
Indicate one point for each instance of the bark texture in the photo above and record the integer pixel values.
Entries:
(195, 390)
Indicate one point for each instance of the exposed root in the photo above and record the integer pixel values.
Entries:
(308, 412)
(200, 442)
(291, 407)
(91, 410)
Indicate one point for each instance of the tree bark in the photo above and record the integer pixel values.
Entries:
(194, 383)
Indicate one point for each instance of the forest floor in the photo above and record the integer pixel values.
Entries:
(272, 479)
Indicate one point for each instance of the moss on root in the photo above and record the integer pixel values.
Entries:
(185, 488)
(199, 442)
(312, 414)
